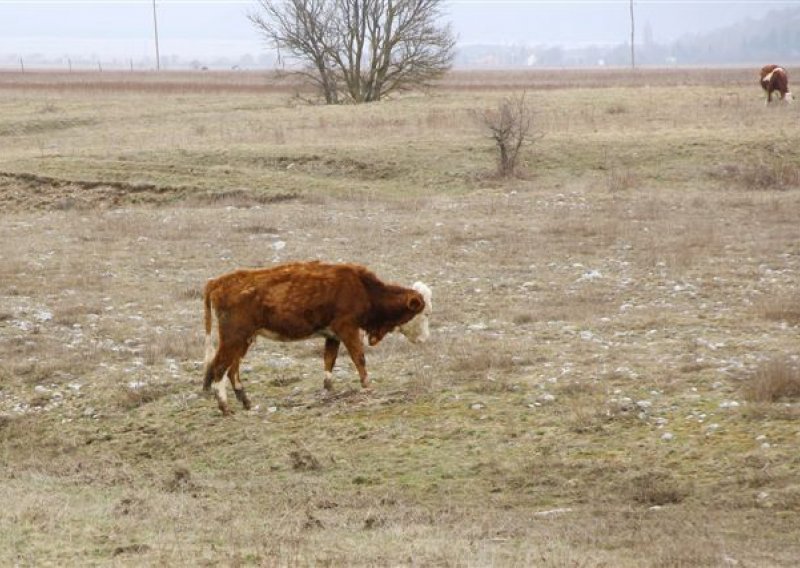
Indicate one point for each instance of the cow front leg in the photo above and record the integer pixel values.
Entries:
(223, 360)
(352, 341)
(238, 387)
(331, 352)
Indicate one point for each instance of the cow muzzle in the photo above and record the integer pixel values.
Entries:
(417, 330)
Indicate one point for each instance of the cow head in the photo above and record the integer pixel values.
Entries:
(416, 330)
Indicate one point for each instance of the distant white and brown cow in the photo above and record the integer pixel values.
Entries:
(300, 300)
(775, 80)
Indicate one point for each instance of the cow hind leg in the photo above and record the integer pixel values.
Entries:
(222, 362)
(331, 352)
(214, 376)
(236, 383)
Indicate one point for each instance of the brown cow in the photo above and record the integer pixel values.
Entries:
(299, 300)
(775, 80)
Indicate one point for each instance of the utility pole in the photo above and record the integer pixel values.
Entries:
(155, 28)
(633, 52)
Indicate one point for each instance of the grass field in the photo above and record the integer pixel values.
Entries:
(612, 378)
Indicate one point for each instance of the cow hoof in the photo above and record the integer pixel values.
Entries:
(226, 410)
(328, 384)
(242, 397)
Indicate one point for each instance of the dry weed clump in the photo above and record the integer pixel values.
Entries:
(776, 380)
(136, 395)
(180, 480)
(303, 460)
(763, 174)
(621, 179)
(478, 359)
(785, 308)
(656, 488)
(174, 345)
(616, 108)
(587, 417)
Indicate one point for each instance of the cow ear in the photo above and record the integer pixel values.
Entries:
(415, 303)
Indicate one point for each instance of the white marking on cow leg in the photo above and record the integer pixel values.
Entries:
(222, 396)
(328, 382)
(788, 97)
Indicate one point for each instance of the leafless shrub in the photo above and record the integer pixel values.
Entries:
(656, 487)
(511, 125)
(778, 379)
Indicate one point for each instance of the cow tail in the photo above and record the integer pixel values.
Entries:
(209, 343)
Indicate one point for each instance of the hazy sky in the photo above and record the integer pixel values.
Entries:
(206, 28)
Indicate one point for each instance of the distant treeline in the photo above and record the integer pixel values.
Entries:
(775, 37)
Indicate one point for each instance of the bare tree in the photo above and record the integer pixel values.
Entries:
(511, 125)
(360, 50)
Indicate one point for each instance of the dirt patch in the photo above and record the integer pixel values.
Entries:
(25, 192)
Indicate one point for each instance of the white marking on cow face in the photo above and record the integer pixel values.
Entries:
(417, 330)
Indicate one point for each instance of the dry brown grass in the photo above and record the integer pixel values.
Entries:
(620, 293)
(784, 308)
(776, 380)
